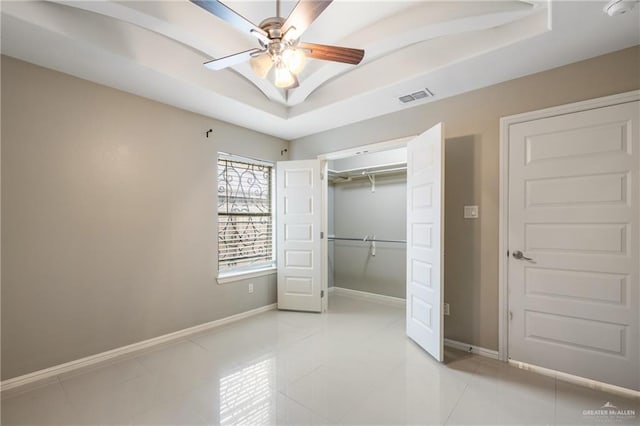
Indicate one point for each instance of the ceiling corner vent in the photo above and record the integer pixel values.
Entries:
(422, 94)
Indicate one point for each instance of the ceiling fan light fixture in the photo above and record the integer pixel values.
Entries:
(279, 39)
(295, 59)
(261, 65)
(291, 35)
(283, 77)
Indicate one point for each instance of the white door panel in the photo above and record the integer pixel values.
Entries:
(298, 230)
(425, 204)
(573, 209)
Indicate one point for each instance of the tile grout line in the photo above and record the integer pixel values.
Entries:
(67, 397)
(295, 401)
(198, 344)
(466, 385)
(464, 391)
(372, 389)
(64, 391)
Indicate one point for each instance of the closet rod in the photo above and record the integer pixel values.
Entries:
(365, 240)
(382, 171)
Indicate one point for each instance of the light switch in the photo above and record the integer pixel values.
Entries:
(471, 212)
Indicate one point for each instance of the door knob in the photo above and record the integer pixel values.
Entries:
(518, 255)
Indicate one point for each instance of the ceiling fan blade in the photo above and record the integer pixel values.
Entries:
(333, 53)
(231, 17)
(302, 15)
(227, 61)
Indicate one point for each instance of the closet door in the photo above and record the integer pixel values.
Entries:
(425, 228)
(299, 219)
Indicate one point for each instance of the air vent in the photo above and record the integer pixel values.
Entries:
(426, 93)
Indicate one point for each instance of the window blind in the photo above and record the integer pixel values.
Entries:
(245, 222)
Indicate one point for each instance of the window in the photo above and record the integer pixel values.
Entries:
(245, 214)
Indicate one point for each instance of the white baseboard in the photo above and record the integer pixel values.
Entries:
(388, 300)
(489, 353)
(576, 380)
(105, 357)
(396, 301)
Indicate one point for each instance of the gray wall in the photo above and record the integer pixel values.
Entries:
(359, 212)
(474, 294)
(108, 218)
(330, 231)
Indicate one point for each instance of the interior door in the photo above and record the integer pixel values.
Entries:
(573, 238)
(299, 220)
(425, 243)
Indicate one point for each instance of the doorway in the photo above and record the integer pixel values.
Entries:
(366, 230)
(424, 226)
(570, 276)
(302, 224)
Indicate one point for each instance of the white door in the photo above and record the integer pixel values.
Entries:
(299, 220)
(573, 210)
(425, 227)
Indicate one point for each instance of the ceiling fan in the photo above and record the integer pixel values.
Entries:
(279, 39)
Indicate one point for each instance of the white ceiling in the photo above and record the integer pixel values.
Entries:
(156, 49)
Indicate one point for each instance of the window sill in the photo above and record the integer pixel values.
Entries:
(230, 277)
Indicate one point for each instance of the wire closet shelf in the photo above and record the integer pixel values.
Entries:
(366, 239)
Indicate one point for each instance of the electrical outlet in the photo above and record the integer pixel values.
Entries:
(446, 309)
(251, 288)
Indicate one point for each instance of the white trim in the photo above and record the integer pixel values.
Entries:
(244, 159)
(365, 295)
(349, 152)
(104, 357)
(396, 301)
(324, 246)
(371, 148)
(374, 147)
(503, 227)
(245, 275)
(489, 353)
(620, 98)
(503, 241)
(383, 167)
(576, 380)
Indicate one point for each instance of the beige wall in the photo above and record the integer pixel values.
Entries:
(108, 218)
(109, 205)
(472, 132)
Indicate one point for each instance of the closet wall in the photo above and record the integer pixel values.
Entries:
(358, 212)
(330, 231)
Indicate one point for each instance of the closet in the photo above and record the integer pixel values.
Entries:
(351, 233)
(366, 214)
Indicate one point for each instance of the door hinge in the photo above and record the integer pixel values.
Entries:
(321, 294)
(321, 235)
(510, 315)
(321, 176)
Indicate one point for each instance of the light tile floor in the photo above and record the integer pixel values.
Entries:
(351, 366)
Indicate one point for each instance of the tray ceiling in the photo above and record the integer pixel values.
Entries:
(156, 49)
